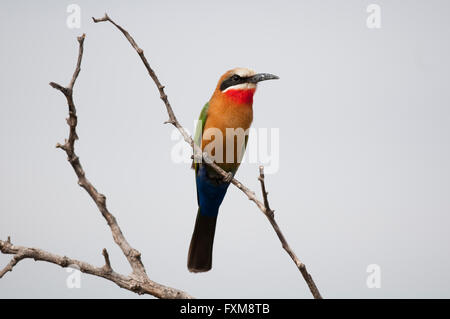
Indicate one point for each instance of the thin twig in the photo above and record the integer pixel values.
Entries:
(270, 213)
(198, 154)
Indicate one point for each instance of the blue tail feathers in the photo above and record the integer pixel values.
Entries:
(210, 192)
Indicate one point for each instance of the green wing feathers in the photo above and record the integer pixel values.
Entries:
(199, 129)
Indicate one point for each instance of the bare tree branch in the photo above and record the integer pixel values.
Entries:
(21, 253)
(133, 256)
(126, 282)
(198, 155)
(137, 281)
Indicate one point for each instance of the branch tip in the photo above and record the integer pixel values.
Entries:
(81, 38)
(104, 18)
(107, 261)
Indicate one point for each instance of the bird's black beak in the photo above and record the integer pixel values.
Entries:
(261, 77)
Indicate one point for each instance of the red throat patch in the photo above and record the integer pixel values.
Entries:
(241, 96)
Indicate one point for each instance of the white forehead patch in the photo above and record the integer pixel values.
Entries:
(244, 72)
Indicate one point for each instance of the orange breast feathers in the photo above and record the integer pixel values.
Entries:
(231, 109)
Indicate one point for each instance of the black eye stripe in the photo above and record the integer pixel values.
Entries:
(232, 80)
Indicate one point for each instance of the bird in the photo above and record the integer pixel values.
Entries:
(229, 110)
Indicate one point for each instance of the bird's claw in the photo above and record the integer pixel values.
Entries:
(228, 178)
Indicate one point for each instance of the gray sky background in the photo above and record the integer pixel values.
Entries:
(363, 115)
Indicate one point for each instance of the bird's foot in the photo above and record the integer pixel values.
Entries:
(228, 178)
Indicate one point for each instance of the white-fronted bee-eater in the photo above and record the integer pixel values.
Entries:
(228, 112)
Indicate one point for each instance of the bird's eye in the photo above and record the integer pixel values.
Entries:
(235, 77)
